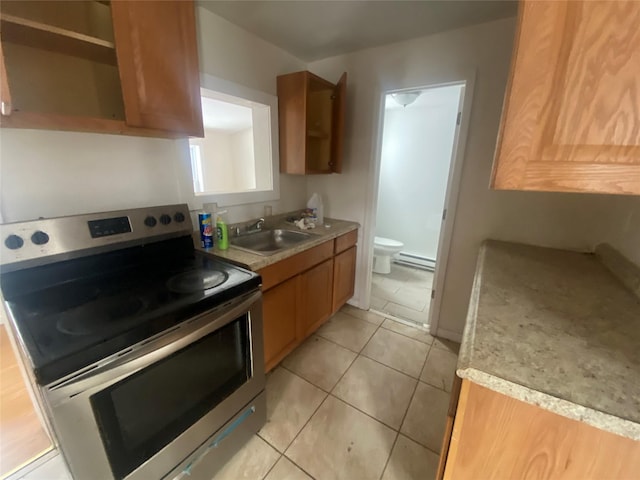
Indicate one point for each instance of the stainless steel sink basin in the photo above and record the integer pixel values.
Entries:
(268, 242)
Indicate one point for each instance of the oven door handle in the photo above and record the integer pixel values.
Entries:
(131, 362)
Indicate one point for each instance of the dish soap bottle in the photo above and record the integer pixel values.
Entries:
(222, 232)
(315, 205)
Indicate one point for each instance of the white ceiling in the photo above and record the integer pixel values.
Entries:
(314, 29)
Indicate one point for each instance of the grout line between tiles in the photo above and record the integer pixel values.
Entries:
(404, 417)
(412, 338)
(386, 463)
(434, 386)
(389, 366)
(364, 320)
(321, 403)
(299, 376)
(346, 348)
(298, 434)
(274, 463)
(368, 414)
(424, 364)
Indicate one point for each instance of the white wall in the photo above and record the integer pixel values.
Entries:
(574, 221)
(621, 226)
(233, 54)
(46, 173)
(243, 159)
(416, 154)
(218, 172)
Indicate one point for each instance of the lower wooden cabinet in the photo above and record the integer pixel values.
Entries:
(280, 311)
(315, 297)
(301, 292)
(344, 276)
(496, 436)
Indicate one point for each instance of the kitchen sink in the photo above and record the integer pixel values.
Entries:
(268, 242)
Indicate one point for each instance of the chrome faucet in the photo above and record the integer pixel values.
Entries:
(256, 226)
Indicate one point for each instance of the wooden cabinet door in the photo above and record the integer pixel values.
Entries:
(279, 311)
(344, 276)
(5, 93)
(158, 64)
(315, 293)
(337, 134)
(496, 436)
(311, 114)
(571, 120)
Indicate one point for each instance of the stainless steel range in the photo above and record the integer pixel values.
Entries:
(148, 356)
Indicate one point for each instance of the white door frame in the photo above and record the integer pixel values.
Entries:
(450, 204)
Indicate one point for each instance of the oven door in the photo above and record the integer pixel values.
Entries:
(141, 413)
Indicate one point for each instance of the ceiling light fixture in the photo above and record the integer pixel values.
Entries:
(405, 98)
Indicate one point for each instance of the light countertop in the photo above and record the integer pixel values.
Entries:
(556, 329)
(331, 229)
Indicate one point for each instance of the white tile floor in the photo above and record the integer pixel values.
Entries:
(364, 398)
(358, 400)
(404, 293)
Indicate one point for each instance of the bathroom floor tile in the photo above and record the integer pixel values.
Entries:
(377, 303)
(339, 442)
(397, 351)
(285, 469)
(252, 462)
(427, 416)
(319, 361)
(408, 331)
(413, 299)
(440, 368)
(362, 314)
(290, 403)
(348, 331)
(384, 291)
(377, 390)
(410, 461)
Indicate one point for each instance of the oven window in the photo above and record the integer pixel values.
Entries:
(138, 416)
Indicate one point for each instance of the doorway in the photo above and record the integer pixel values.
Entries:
(420, 132)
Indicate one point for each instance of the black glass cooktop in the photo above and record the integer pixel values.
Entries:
(73, 313)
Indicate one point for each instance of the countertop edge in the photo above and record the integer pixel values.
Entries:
(565, 408)
(465, 356)
(256, 262)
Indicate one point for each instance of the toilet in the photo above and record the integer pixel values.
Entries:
(383, 250)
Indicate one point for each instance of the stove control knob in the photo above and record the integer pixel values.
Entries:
(150, 221)
(179, 217)
(13, 242)
(39, 238)
(165, 219)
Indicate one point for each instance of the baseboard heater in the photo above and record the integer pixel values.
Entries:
(418, 261)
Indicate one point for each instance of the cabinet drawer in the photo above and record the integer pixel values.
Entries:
(287, 268)
(345, 241)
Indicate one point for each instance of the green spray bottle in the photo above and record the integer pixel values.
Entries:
(222, 232)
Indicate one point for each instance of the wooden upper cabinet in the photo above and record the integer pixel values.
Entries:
(571, 120)
(158, 64)
(120, 67)
(5, 93)
(311, 115)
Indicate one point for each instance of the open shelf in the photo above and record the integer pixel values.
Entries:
(47, 37)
